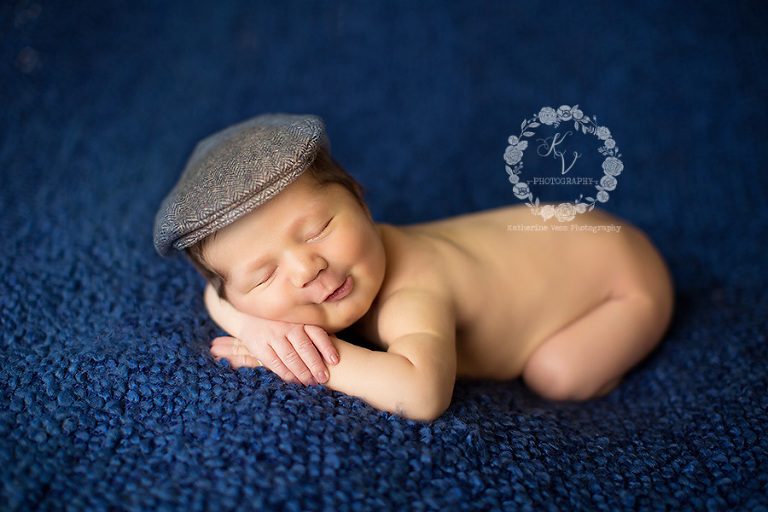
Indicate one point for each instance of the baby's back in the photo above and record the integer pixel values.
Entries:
(516, 280)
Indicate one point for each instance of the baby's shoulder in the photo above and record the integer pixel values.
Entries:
(414, 285)
(424, 259)
(415, 255)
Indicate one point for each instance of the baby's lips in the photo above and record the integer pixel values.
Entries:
(340, 292)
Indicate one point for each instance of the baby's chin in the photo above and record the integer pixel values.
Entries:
(330, 325)
(334, 326)
(332, 321)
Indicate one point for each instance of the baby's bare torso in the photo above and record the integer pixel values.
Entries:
(509, 287)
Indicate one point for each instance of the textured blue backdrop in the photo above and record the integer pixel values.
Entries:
(109, 398)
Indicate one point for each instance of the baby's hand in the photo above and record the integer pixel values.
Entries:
(292, 351)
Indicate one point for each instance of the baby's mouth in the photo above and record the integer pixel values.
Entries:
(340, 292)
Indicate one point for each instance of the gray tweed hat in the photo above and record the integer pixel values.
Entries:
(232, 172)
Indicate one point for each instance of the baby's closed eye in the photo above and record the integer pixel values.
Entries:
(320, 232)
(265, 277)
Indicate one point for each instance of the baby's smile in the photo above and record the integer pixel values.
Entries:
(342, 291)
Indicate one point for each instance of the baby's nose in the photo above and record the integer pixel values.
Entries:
(306, 268)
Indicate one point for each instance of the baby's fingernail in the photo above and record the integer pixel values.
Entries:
(324, 377)
(334, 359)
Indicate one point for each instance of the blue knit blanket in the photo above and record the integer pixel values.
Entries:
(109, 398)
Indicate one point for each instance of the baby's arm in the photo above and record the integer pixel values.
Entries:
(289, 350)
(413, 378)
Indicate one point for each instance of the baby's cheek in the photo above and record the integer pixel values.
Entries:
(361, 248)
(275, 310)
(285, 311)
(256, 306)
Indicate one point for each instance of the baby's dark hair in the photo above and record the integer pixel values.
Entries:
(324, 170)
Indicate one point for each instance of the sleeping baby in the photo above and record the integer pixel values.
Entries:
(292, 256)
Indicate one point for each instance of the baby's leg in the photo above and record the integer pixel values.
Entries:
(588, 357)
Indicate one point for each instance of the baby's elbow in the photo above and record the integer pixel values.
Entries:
(427, 403)
(421, 412)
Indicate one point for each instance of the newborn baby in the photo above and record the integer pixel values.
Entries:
(568, 311)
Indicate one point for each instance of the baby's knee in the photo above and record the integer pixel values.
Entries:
(554, 378)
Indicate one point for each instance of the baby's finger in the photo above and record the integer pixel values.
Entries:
(306, 349)
(233, 351)
(242, 360)
(323, 342)
(271, 360)
(309, 354)
(287, 353)
(222, 347)
(223, 340)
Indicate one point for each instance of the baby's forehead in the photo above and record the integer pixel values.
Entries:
(303, 200)
(293, 209)
(233, 172)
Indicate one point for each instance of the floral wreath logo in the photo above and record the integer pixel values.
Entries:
(612, 164)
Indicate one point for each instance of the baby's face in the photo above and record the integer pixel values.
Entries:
(310, 255)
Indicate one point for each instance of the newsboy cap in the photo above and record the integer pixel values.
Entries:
(232, 172)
